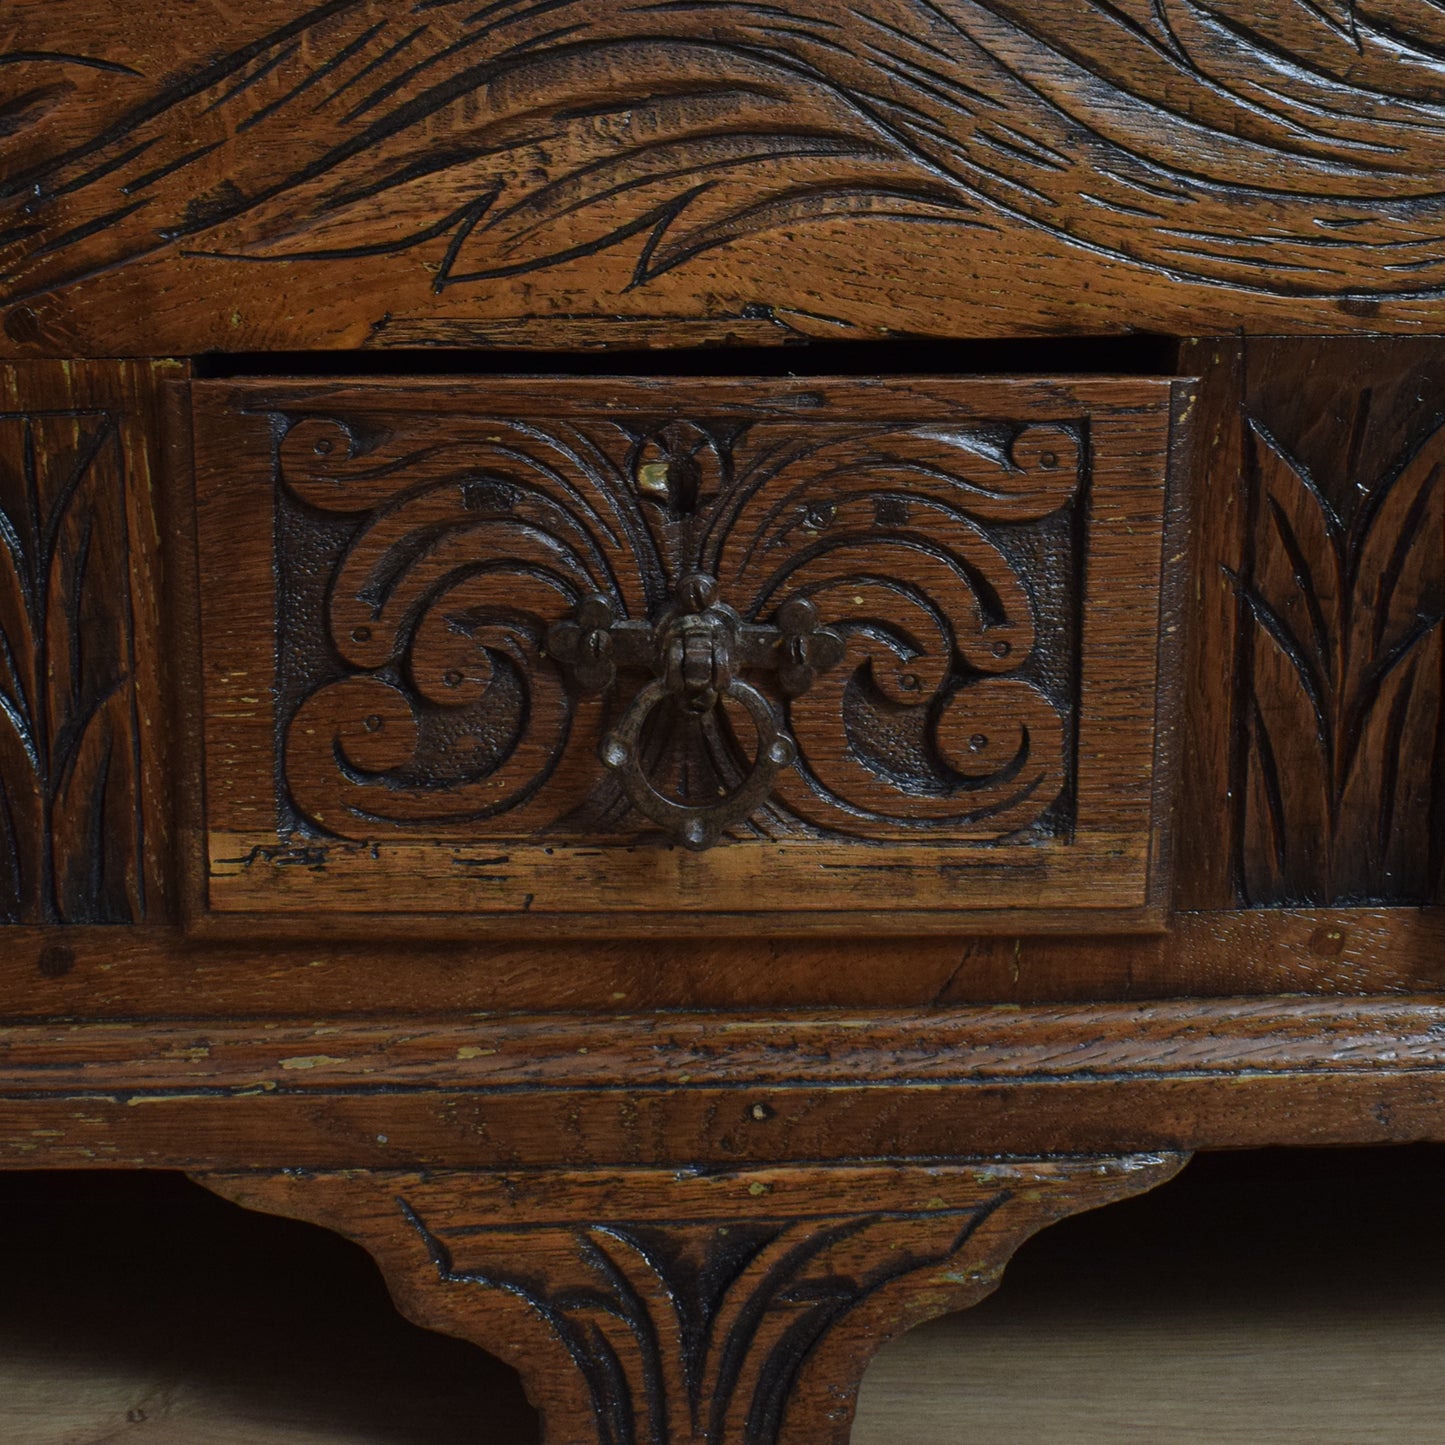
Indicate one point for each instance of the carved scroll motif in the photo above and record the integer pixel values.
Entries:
(417, 581)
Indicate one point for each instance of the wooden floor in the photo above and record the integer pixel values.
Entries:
(1263, 1298)
(140, 1308)
(1257, 1300)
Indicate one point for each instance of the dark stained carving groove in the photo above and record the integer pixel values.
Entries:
(515, 137)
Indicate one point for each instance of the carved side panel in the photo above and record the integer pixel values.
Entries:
(306, 173)
(1342, 635)
(382, 569)
(1323, 584)
(76, 540)
(734, 1309)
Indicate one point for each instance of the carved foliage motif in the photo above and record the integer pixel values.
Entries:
(70, 823)
(697, 1331)
(503, 139)
(417, 578)
(1341, 726)
(679, 1306)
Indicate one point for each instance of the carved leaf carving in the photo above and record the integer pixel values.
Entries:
(69, 826)
(514, 137)
(698, 1332)
(1343, 626)
(649, 1306)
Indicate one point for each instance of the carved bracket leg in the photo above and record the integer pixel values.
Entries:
(719, 1309)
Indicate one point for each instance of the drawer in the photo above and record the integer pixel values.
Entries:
(560, 653)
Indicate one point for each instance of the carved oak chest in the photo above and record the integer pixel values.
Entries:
(689, 665)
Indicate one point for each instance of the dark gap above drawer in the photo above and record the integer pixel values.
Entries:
(1104, 356)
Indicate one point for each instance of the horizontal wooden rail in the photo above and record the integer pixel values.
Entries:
(717, 1090)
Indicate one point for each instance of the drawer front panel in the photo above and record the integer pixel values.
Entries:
(410, 708)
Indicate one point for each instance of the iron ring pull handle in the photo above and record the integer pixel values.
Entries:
(695, 650)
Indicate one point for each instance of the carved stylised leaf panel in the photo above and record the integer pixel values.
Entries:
(71, 825)
(698, 1331)
(410, 550)
(1274, 159)
(1342, 614)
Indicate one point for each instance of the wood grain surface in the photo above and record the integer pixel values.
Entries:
(299, 173)
(719, 1091)
(385, 733)
(162, 973)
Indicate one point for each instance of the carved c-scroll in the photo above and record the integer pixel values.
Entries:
(442, 712)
